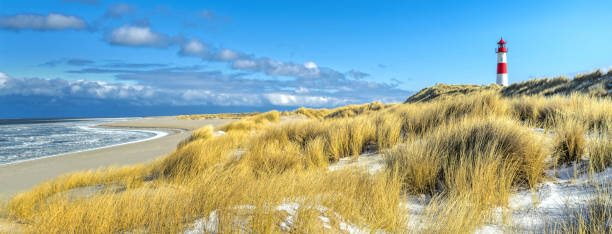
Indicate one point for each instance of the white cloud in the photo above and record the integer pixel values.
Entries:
(311, 65)
(65, 88)
(241, 61)
(274, 67)
(222, 99)
(51, 21)
(244, 64)
(3, 79)
(302, 90)
(283, 99)
(228, 55)
(194, 47)
(137, 36)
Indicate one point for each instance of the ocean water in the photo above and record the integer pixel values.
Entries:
(26, 139)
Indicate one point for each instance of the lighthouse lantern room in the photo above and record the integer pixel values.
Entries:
(502, 69)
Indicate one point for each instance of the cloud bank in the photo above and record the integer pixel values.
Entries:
(247, 80)
(181, 86)
(250, 63)
(37, 22)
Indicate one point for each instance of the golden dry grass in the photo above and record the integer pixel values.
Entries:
(202, 133)
(219, 116)
(449, 91)
(593, 84)
(569, 143)
(469, 152)
(255, 122)
(474, 155)
(170, 207)
(600, 151)
(339, 112)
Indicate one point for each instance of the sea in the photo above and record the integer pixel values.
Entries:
(28, 139)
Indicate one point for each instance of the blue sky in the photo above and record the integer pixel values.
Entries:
(63, 58)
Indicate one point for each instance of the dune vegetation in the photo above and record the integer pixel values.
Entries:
(270, 172)
(594, 84)
(219, 116)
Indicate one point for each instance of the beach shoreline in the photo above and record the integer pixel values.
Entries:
(19, 176)
(158, 131)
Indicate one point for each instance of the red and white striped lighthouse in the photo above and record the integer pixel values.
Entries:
(502, 69)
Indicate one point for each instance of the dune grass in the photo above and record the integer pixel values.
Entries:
(202, 133)
(235, 194)
(255, 122)
(24, 206)
(593, 84)
(472, 156)
(339, 112)
(219, 116)
(569, 143)
(599, 149)
(449, 91)
(468, 153)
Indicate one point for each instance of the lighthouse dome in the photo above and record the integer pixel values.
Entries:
(501, 42)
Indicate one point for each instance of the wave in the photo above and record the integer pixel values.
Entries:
(41, 140)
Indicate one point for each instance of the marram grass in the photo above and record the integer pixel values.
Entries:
(468, 152)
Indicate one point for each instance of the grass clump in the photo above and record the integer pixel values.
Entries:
(255, 122)
(196, 156)
(349, 137)
(600, 152)
(569, 146)
(452, 214)
(480, 156)
(310, 113)
(354, 110)
(388, 130)
(314, 143)
(420, 118)
(467, 167)
(202, 133)
(538, 111)
(24, 206)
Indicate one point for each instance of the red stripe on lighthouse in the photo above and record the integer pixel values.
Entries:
(501, 68)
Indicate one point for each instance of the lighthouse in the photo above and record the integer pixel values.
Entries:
(502, 69)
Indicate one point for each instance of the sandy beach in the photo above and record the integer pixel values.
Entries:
(21, 176)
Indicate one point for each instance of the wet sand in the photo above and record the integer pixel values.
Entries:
(21, 176)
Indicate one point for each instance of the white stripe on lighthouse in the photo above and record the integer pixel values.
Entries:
(501, 57)
(502, 79)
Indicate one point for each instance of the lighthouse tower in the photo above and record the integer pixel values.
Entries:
(502, 69)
